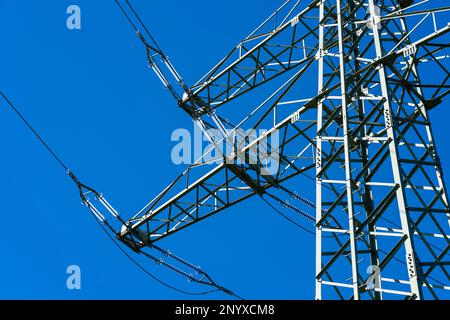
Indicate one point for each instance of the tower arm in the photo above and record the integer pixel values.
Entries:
(230, 182)
(271, 50)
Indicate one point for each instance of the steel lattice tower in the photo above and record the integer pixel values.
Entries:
(346, 80)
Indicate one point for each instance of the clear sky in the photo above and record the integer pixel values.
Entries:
(91, 95)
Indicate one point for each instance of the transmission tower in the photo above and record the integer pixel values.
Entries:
(347, 87)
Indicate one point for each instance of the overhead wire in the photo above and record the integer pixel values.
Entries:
(35, 133)
(127, 16)
(305, 215)
(146, 29)
(140, 266)
(286, 217)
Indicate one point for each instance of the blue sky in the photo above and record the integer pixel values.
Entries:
(92, 96)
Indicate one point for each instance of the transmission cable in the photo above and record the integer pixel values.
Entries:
(141, 22)
(127, 16)
(36, 134)
(286, 217)
(292, 207)
(140, 266)
(288, 205)
(143, 25)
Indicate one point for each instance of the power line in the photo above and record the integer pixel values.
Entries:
(286, 217)
(148, 272)
(288, 205)
(143, 25)
(127, 16)
(36, 134)
(303, 214)
(138, 18)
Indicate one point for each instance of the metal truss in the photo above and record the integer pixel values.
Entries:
(347, 81)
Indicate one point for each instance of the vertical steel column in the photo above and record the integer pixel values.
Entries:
(319, 155)
(348, 167)
(416, 288)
